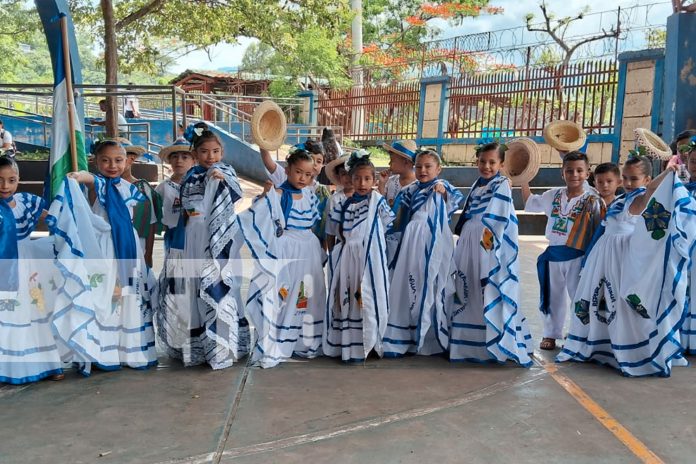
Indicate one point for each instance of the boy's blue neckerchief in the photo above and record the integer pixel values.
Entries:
(9, 253)
(121, 230)
(286, 198)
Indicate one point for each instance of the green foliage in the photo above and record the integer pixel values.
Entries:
(151, 33)
(656, 38)
(315, 55)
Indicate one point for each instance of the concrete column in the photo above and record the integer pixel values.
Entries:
(639, 97)
(433, 111)
(679, 112)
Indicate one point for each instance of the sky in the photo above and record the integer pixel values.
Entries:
(230, 55)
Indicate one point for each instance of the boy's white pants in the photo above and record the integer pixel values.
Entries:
(563, 282)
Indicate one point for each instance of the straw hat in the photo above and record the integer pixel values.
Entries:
(268, 126)
(522, 160)
(330, 169)
(403, 148)
(564, 135)
(180, 146)
(136, 150)
(655, 146)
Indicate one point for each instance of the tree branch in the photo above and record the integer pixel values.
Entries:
(145, 10)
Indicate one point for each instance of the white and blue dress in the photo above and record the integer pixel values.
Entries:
(688, 331)
(171, 319)
(28, 351)
(486, 321)
(421, 277)
(358, 292)
(127, 335)
(625, 317)
(287, 291)
(211, 326)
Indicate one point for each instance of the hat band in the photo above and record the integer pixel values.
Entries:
(403, 149)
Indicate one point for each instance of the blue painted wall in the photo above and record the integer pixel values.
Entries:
(679, 111)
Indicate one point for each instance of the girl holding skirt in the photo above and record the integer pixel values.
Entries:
(213, 328)
(486, 322)
(358, 301)
(421, 279)
(287, 292)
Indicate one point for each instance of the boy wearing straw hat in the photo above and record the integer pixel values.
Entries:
(402, 155)
(574, 213)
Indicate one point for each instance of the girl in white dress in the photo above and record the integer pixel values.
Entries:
(486, 321)
(423, 264)
(28, 352)
(287, 292)
(358, 301)
(215, 329)
(626, 317)
(126, 334)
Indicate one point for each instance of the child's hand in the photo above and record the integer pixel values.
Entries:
(82, 177)
(216, 174)
(384, 176)
(672, 165)
(267, 186)
(440, 188)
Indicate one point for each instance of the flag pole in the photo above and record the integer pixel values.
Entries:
(69, 91)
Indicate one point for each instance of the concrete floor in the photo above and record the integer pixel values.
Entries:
(411, 410)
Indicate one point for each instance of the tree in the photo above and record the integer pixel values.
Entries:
(557, 29)
(132, 31)
(394, 30)
(317, 56)
(656, 38)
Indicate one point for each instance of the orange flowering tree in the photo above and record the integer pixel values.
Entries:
(394, 30)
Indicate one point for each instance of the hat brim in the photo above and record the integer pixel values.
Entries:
(268, 137)
(394, 151)
(656, 147)
(532, 167)
(330, 169)
(166, 152)
(136, 150)
(564, 136)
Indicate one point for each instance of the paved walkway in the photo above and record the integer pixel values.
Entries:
(411, 410)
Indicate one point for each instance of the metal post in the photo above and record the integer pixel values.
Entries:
(174, 125)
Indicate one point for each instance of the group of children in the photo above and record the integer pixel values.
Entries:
(346, 274)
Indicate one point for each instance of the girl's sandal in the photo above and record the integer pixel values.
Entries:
(57, 377)
(548, 344)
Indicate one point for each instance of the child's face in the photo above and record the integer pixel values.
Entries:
(633, 177)
(398, 165)
(209, 153)
(427, 168)
(300, 173)
(9, 181)
(112, 161)
(363, 179)
(344, 177)
(181, 162)
(606, 184)
(691, 164)
(575, 173)
(130, 159)
(489, 164)
(318, 163)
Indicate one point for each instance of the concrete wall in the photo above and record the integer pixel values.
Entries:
(641, 75)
